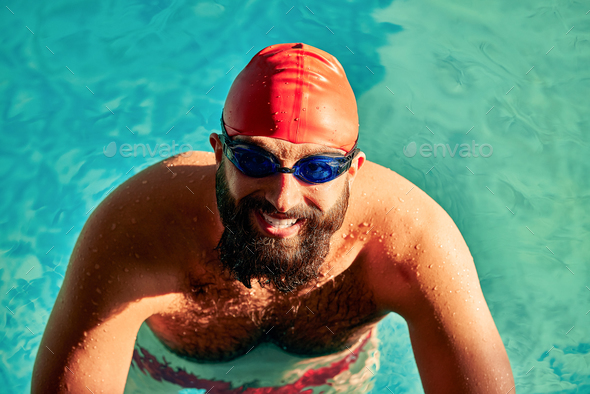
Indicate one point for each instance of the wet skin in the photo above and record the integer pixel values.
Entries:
(146, 254)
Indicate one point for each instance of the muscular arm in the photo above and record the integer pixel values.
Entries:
(81, 349)
(436, 289)
(106, 295)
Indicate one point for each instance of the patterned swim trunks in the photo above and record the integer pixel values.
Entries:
(264, 370)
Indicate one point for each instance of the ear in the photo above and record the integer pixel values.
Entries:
(217, 147)
(355, 166)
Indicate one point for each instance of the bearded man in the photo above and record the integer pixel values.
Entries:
(276, 255)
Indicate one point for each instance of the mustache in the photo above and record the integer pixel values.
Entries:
(248, 204)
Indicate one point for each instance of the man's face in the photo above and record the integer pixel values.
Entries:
(248, 252)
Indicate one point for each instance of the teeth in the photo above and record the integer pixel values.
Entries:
(279, 223)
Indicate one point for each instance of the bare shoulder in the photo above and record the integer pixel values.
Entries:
(394, 205)
(128, 245)
(421, 268)
(420, 244)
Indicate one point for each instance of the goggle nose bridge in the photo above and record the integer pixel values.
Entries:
(286, 170)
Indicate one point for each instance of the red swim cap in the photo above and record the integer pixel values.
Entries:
(294, 92)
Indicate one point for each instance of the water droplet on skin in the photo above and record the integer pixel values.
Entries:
(296, 119)
(401, 199)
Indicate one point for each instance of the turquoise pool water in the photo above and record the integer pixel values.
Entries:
(76, 76)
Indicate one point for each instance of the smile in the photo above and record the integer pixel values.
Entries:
(279, 223)
(274, 227)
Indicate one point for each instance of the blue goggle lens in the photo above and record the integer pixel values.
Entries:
(319, 169)
(253, 163)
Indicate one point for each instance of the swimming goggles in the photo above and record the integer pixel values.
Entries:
(256, 162)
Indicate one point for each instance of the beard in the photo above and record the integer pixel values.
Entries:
(286, 263)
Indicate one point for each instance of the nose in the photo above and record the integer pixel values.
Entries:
(284, 191)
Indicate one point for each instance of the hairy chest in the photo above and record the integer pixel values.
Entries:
(221, 320)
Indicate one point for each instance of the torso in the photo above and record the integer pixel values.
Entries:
(215, 318)
(219, 319)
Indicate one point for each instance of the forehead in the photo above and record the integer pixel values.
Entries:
(287, 150)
